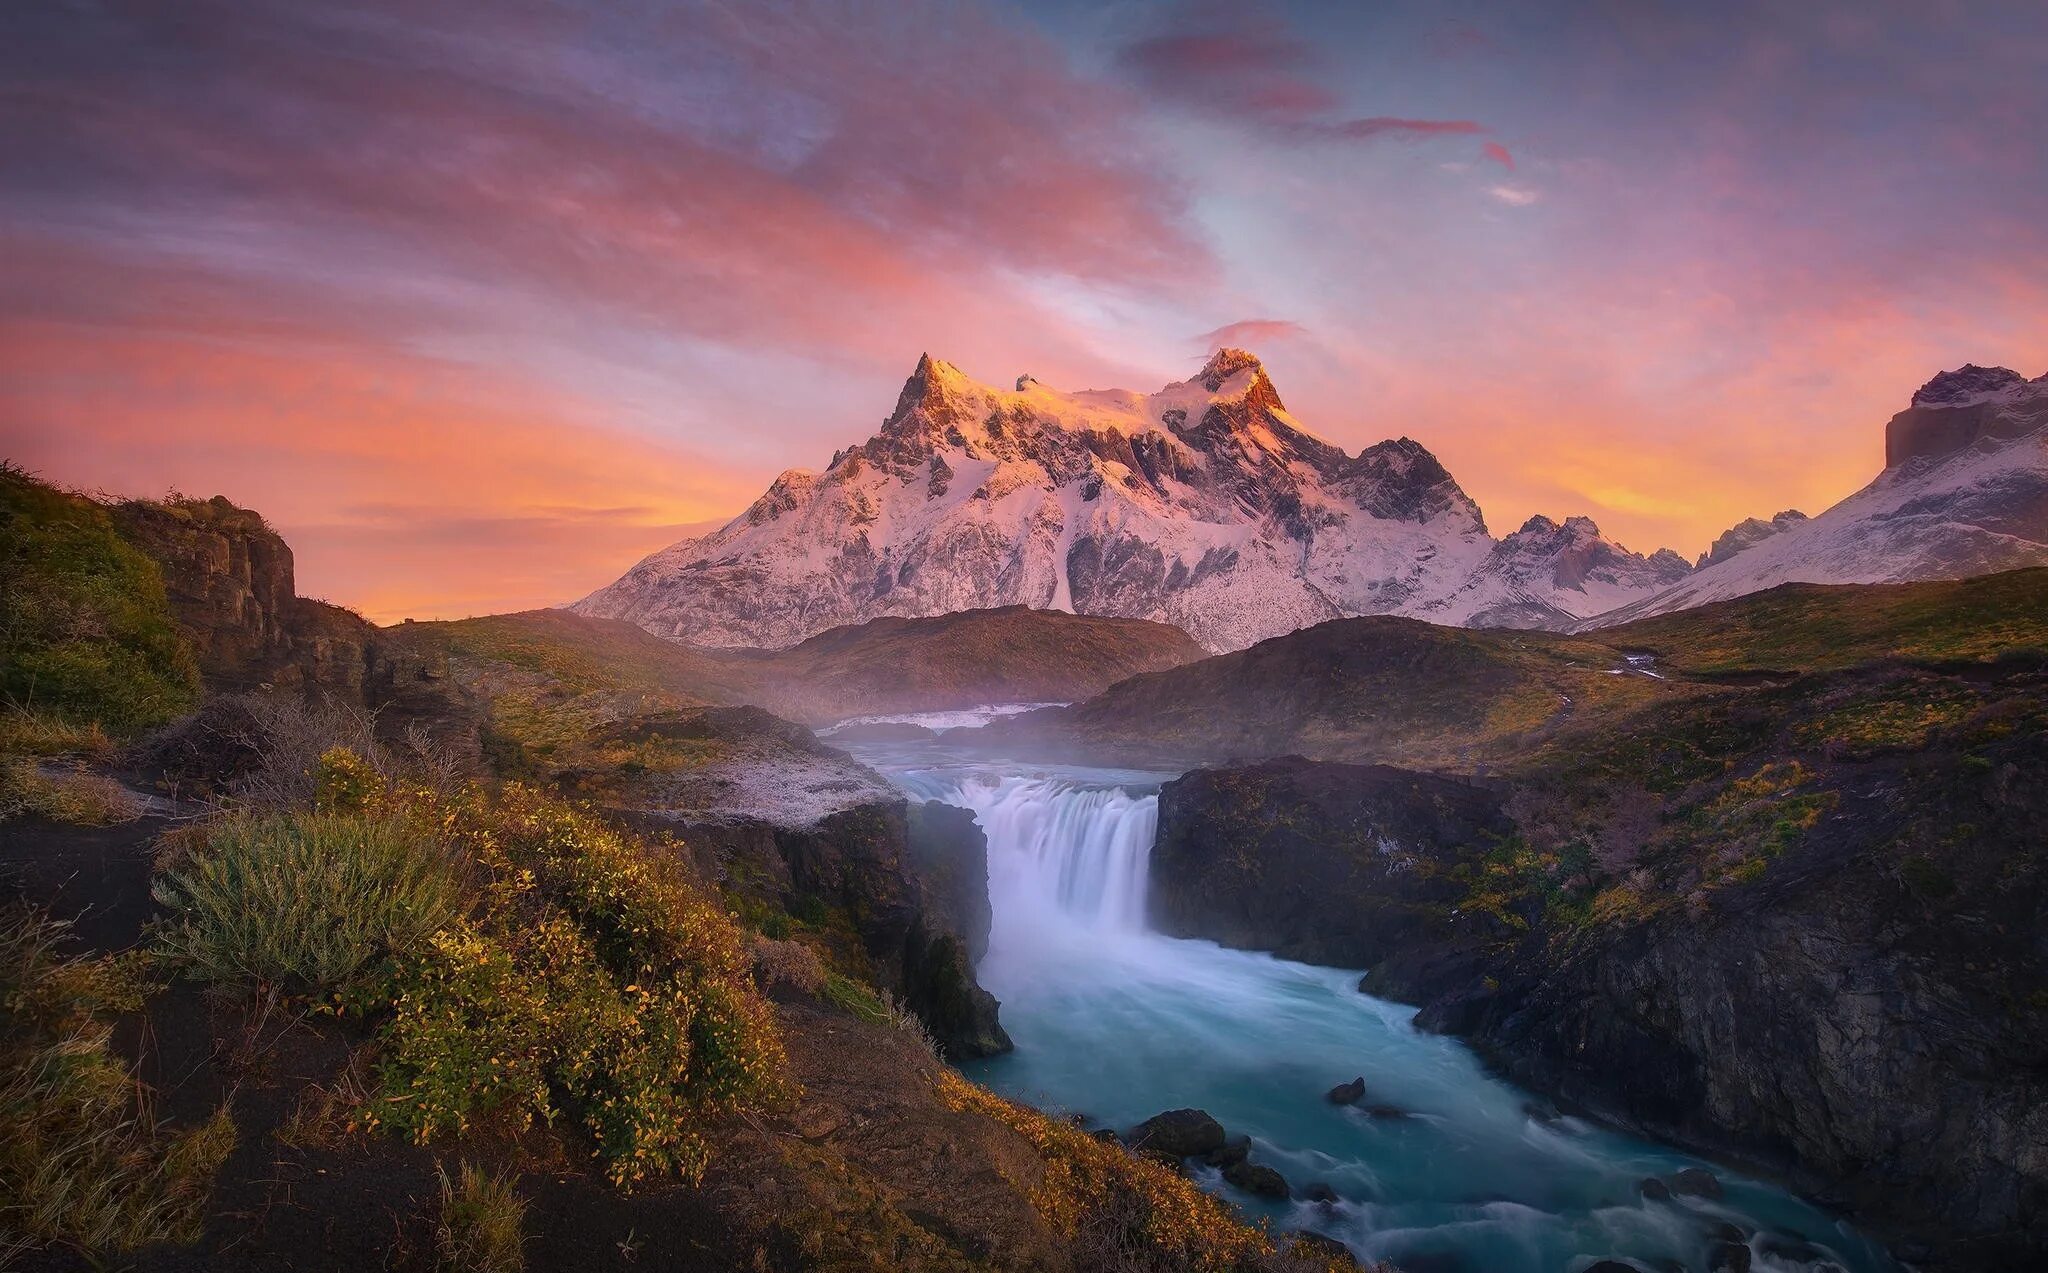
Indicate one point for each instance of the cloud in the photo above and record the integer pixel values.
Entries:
(1499, 154)
(1254, 71)
(1250, 333)
(1513, 196)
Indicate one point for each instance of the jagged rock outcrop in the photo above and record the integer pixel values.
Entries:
(801, 829)
(230, 581)
(1748, 533)
(1964, 492)
(1205, 505)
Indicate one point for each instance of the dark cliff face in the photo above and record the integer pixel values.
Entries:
(1334, 864)
(1958, 408)
(893, 885)
(230, 582)
(1802, 929)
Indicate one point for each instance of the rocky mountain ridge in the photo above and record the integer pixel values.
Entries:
(1964, 492)
(1206, 505)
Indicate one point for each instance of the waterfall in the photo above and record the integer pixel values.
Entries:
(1061, 854)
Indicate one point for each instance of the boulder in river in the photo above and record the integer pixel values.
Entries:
(1319, 1192)
(1653, 1189)
(1264, 1182)
(1613, 1266)
(1697, 1181)
(1178, 1133)
(1234, 1150)
(1728, 1257)
(1348, 1093)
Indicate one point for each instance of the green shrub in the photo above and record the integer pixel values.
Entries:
(344, 782)
(479, 1229)
(85, 630)
(82, 1161)
(596, 983)
(303, 902)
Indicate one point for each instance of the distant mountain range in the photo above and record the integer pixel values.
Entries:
(1964, 492)
(1208, 506)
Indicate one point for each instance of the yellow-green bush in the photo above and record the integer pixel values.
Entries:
(595, 983)
(1128, 1212)
(344, 782)
(302, 902)
(82, 1161)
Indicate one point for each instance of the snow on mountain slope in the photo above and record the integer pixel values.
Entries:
(1205, 505)
(1964, 492)
(1547, 576)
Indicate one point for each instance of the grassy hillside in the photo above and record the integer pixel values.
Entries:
(1404, 692)
(1374, 689)
(888, 665)
(1814, 627)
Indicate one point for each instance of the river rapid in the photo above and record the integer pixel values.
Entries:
(1115, 1022)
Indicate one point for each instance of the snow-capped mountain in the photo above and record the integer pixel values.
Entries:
(1546, 576)
(1964, 492)
(1205, 505)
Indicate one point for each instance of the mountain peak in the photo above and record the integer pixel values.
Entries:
(1966, 384)
(1958, 409)
(1227, 362)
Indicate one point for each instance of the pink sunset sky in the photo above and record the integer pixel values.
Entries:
(479, 302)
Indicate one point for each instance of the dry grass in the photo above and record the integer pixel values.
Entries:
(83, 1162)
(480, 1227)
(70, 794)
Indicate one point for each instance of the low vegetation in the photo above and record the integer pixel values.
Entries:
(481, 1226)
(86, 633)
(83, 1162)
(1125, 1212)
(594, 983)
(303, 902)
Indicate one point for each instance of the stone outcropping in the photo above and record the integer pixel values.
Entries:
(1347, 865)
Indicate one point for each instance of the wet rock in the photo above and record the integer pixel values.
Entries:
(1232, 1152)
(1178, 1133)
(1653, 1189)
(1541, 1111)
(1781, 1246)
(1348, 1093)
(1726, 1231)
(1698, 1182)
(1613, 1266)
(1728, 1257)
(1319, 1192)
(1259, 1180)
(1387, 1111)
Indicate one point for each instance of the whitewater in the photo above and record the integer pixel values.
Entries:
(1458, 1171)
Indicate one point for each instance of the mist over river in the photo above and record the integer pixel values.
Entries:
(1116, 1023)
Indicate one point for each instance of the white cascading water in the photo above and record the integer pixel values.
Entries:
(1061, 853)
(1118, 1021)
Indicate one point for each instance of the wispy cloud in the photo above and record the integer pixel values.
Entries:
(1250, 68)
(1250, 333)
(1513, 196)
